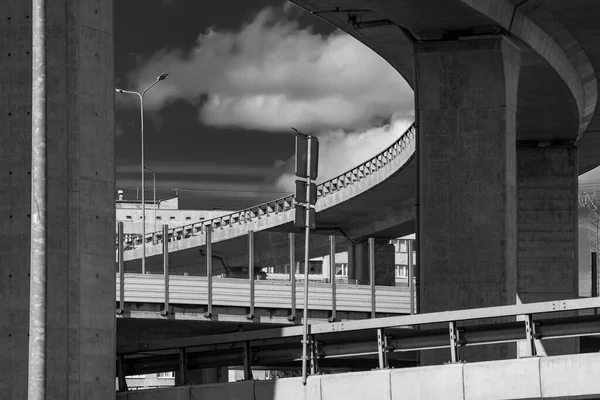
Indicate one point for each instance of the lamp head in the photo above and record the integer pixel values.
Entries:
(119, 90)
(162, 76)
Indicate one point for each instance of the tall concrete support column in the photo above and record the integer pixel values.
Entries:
(385, 263)
(468, 205)
(548, 230)
(80, 319)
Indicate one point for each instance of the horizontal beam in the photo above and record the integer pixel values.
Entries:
(408, 320)
(401, 343)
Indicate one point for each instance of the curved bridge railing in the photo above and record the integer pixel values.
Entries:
(285, 203)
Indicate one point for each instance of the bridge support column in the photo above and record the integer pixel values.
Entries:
(547, 180)
(80, 241)
(468, 206)
(385, 263)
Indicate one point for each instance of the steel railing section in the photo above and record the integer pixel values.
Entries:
(193, 290)
(529, 324)
(285, 203)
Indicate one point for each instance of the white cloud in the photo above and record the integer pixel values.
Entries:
(271, 75)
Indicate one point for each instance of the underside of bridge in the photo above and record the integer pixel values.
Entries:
(506, 101)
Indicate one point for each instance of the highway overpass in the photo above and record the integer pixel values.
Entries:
(506, 120)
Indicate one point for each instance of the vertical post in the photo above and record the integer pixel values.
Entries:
(165, 233)
(183, 369)
(594, 274)
(247, 361)
(292, 241)
(251, 272)
(530, 336)
(372, 274)
(121, 374)
(209, 277)
(313, 355)
(332, 277)
(143, 186)
(453, 342)
(121, 268)
(306, 247)
(411, 284)
(39, 199)
(382, 348)
(594, 292)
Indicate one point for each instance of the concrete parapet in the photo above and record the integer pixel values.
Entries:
(560, 377)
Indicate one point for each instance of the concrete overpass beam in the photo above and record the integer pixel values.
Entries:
(467, 95)
(80, 237)
(548, 230)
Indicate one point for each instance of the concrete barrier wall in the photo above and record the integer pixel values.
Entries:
(572, 377)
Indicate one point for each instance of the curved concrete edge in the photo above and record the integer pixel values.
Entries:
(372, 181)
(560, 377)
(575, 70)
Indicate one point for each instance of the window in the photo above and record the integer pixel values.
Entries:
(314, 267)
(188, 218)
(158, 217)
(172, 218)
(401, 271)
(128, 217)
(169, 374)
(341, 269)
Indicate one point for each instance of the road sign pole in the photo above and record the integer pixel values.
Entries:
(306, 246)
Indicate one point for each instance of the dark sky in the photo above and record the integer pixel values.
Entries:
(175, 134)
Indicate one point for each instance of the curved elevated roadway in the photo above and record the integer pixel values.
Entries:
(557, 103)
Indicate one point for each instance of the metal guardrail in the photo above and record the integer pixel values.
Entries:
(193, 290)
(285, 203)
(388, 335)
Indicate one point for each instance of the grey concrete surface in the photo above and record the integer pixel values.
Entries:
(467, 105)
(81, 211)
(560, 377)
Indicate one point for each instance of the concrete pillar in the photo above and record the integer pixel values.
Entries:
(468, 207)
(385, 263)
(548, 230)
(80, 343)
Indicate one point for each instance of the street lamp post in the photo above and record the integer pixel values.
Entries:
(162, 77)
(154, 194)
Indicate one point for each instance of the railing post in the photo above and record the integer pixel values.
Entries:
(372, 275)
(182, 379)
(247, 361)
(332, 276)
(454, 352)
(122, 382)
(292, 241)
(121, 269)
(209, 276)
(251, 272)
(530, 336)
(313, 356)
(165, 312)
(411, 284)
(382, 348)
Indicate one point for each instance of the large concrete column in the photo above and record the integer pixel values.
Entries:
(80, 343)
(548, 230)
(385, 263)
(468, 222)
